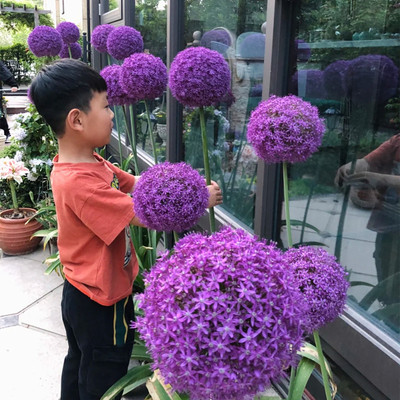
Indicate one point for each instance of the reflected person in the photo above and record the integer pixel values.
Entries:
(380, 172)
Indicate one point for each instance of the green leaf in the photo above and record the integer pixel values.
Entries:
(135, 374)
(310, 351)
(134, 385)
(310, 243)
(161, 392)
(139, 352)
(296, 222)
(303, 373)
(360, 283)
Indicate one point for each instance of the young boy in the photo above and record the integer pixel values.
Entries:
(93, 212)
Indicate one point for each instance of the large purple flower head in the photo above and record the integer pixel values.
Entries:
(76, 50)
(321, 282)
(44, 41)
(215, 35)
(253, 46)
(143, 76)
(199, 77)
(285, 129)
(69, 32)
(379, 71)
(124, 41)
(116, 96)
(334, 78)
(222, 316)
(170, 197)
(100, 35)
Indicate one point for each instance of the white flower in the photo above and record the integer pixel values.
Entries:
(18, 155)
(36, 161)
(11, 169)
(49, 162)
(32, 177)
(19, 134)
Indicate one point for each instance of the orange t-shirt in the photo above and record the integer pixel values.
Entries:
(93, 214)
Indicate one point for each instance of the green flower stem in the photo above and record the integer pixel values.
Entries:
(176, 237)
(322, 365)
(69, 51)
(286, 200)
(206, 163)
(109, 59)
(13, 195)
(153, 141)
(133, 140)
(291, 382)
(119, 135)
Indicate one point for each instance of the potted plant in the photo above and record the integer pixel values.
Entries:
(15, 228)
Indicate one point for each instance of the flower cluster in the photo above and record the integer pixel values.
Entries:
(99, 37)
(143, 76)
(253, 46)
(11, 169)
(199, 77)
(116, 96)
(334, 79)
(380, 70)
(124, 41)
(170, 197)
(215, 35)
(222, 316)
(321, 282)
(313, 83)
(69, 32)
(285, 129)
(45, 41)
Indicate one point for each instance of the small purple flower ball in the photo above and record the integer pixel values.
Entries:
(45, 41)
(311, 80)
(321, 282)
(199, 77)
(215, 35)
(253, 46)
(69, 32)
(170, 197)
(100, 35)
(124, 41)
(76, 51)
(222, 316)
(285, 129)
(116, 96)
(143, 76)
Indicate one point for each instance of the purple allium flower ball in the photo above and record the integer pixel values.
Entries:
(100, 35)
(124, 41)
(321, 282)
(303, 50)
(285, 129)
(69, 32)
(199, 77)
(222, 316)
(379, 71)
(143, 76)
(334, 79)
(215, 35)
(253, 46)
(44, 41)
(76, 50)
(116, 96)
(170, 197)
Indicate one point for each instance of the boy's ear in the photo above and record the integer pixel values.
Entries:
(74, 119)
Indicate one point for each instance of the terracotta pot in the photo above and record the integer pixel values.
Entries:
(15, 234)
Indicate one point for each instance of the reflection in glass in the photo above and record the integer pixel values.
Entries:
(350, 189)
(235, 31)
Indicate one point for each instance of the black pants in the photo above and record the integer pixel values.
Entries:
(100, 344)
(4, 126)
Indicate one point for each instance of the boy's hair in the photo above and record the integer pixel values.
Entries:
(61, 86)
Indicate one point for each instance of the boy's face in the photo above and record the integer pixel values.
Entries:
(98, 121)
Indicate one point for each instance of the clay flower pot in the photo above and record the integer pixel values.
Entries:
(15, 233)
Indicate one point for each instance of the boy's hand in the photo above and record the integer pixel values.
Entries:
(215, 193)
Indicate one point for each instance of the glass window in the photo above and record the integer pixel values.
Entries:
(345, 60)
(234, 28)
(151, 22)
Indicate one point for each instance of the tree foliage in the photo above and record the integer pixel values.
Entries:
(13, 21)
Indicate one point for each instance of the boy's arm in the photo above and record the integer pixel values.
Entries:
(215, 194)
(135, 220)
